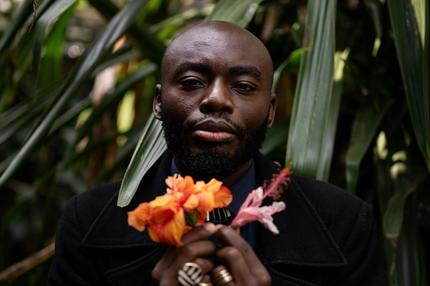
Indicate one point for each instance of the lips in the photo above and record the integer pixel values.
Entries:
(212, 130)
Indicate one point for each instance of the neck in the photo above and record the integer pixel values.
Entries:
(230, 180)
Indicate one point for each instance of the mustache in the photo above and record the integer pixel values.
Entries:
(219, 123)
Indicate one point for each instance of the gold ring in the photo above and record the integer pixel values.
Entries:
(220, 276)
(190, 274)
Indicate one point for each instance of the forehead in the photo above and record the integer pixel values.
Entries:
(220, 48)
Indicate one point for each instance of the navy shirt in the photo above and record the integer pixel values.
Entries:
(240, 190)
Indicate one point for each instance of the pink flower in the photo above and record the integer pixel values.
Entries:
(251, 209)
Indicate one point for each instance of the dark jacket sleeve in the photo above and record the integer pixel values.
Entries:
(72, 264)
(363, 252)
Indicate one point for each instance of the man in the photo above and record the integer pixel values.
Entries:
(215, 103)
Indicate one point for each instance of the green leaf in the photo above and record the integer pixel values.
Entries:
(191, 219)
(364, 129)
(115, 28)
(394, 215)
(50, 29)
(166, 28)
(276, 135)
(410, 264)
(148, 43)
(315, 104)
(289, 64)
(24, 13)
(112, 99)
(238, 12)
(413, 54)
(150, 147)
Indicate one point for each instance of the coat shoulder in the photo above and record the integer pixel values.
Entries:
(328, 197)
(85, 207)
(341, 211)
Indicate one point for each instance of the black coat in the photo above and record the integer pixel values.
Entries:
(327, 237)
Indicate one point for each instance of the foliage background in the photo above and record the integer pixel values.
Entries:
(352, 85)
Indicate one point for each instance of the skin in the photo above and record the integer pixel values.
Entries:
(213, 74)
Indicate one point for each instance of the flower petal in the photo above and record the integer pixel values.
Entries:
(139, 217)
(191, 203)
(170, 232)
(222, 197)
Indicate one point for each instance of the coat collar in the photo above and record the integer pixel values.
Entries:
(303, 239)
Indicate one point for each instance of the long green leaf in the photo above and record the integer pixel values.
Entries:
(413, 54)
(114, 98)
(166, 28)
(58, 13)
(115, 28)
(364, 129)
(151, 145)
(238, 12)
(314, 104)
(409, 259)
(17, 24)
(148, 43)
(289, 64)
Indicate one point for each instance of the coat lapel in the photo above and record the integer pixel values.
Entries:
(110, 228)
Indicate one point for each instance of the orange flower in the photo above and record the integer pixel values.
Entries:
(212, 195)
(166, 216)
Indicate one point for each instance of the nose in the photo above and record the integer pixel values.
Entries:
(217, 99)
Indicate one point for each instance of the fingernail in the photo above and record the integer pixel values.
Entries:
(210, 227)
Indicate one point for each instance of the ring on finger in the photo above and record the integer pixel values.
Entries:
(220, 276)
(190, 274)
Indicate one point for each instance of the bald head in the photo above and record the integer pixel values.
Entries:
(223, 40)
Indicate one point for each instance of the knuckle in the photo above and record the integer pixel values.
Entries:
(186, 251)
(232, 252)
(156, 274)
(265, 279)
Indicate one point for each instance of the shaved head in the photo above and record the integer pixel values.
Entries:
(227, 36)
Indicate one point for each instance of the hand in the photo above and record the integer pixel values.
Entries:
(239, 258)
(195, 246)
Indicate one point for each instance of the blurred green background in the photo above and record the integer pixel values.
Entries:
(76, 86)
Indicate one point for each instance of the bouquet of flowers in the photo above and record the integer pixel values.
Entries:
(186, 204)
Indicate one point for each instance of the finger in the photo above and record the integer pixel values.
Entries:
(206, 280)
(231, 238)
(205, 264)
(187, 253)
(192, 251)
(164, 263)
(199, 233)
(236, 264)
(221, 276)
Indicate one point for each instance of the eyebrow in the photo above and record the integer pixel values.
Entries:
(192, 66)
(245, 70)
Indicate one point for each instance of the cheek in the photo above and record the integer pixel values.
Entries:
(177, 107)
(253, 115)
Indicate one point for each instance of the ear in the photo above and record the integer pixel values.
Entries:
(272, 110)
(156, 103)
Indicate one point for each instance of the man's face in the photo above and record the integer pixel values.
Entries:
(214, 100)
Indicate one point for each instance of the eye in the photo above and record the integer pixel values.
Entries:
(244, 87)
(191, 83)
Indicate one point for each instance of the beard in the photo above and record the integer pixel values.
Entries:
(210, 163)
